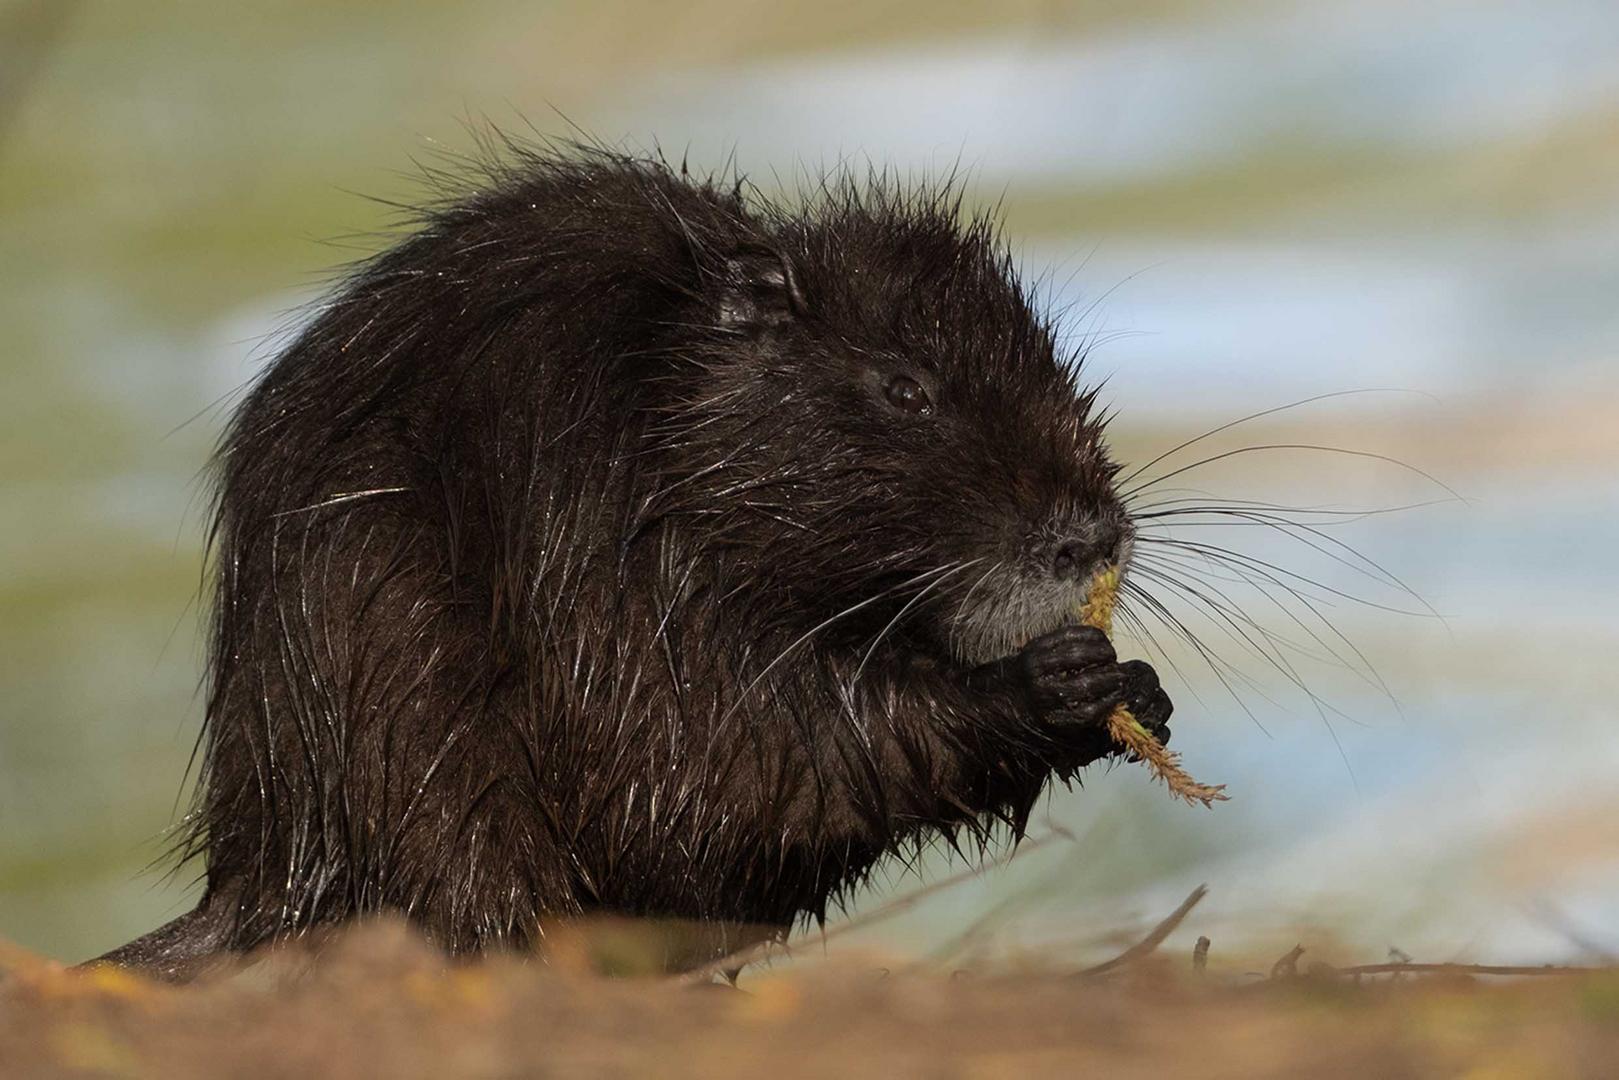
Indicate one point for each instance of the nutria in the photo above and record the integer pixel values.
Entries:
(624, 541)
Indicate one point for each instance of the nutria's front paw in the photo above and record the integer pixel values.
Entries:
(1072, 675)
(1071, 681)
(1146, 700)
(1075, 682)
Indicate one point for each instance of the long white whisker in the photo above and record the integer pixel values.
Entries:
(811, 632)
(934, 584)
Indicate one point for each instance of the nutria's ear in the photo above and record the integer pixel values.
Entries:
(760, 290)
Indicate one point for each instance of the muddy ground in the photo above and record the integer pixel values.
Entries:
(380, 1002)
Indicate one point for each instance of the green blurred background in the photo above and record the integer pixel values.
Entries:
(1240, 204)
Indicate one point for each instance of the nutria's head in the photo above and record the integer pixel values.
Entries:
(874, 422)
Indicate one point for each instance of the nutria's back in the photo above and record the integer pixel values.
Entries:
(624, 541)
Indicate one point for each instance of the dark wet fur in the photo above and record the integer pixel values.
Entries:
(572, 559)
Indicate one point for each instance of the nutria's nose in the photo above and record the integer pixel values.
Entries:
(1073, 559)
(1078, 559)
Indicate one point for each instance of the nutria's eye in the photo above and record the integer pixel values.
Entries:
(907, 395)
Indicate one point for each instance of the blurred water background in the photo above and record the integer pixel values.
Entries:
(1239, 205)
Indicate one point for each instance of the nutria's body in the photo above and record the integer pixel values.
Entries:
(618, 543)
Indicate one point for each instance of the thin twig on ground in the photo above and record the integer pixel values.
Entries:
(1288, 966)
(1149, 944)
(1462, 969)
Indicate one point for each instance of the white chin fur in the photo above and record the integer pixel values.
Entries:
(1005, 610)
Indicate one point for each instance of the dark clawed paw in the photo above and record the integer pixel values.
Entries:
(1145, 698)
(1074, 681)
(1073, 671)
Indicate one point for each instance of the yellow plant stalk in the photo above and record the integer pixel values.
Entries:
(1125, 729)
